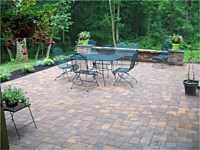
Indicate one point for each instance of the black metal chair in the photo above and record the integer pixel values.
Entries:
(164, 54)
(63, 63)
(122, 73)
(78, 79)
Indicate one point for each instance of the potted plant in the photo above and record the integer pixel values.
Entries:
(83, 38)
(13, 95)
(24, 19)
(176, 41)
(191, 83)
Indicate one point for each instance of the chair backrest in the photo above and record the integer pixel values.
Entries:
(133, 46)
(92, 42)
(58, 51)
(59, 55)
(121, 45)
(133, 60)
(166, 45)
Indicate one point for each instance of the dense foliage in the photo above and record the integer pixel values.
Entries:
(148, 23)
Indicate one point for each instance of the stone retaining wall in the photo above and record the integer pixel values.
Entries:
(144, 55)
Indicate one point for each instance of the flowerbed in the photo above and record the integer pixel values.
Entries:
(19, 73)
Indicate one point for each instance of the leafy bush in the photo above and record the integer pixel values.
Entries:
(4, 76)
(48, 62)
(13, 61)
(40, 63)
(28, 68)
(59, 58)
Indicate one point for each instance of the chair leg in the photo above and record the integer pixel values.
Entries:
(94, 81)
(121, 76)
(132, 77)
(126, 80)
(116, 80)
(65, 72)
(77, 76)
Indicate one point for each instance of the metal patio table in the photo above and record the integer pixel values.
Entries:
(94, 57)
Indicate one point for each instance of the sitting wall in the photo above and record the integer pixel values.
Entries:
(144, 55)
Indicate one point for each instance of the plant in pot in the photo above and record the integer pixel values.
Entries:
(191, 83)
(176, 41)
(83, 38)
(13, 95)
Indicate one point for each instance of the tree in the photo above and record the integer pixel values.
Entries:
(114, 7)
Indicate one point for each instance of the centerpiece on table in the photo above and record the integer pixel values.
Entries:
(83, 38)
(176, 41)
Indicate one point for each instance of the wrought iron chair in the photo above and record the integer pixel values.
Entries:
(78, 79)
(63, 63)
(122, 73)
(126, 53)
(164, 54)
(92, 42)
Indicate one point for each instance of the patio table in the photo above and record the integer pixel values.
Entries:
(94, 57)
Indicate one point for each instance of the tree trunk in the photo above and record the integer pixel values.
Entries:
(113, 23)
(171, 18)
(137, 24)
(37, 52)
(63, 36)
(4, 135)
(149, 25)
(48, 51)
(10, 53)
(21, 47)
(117, 28)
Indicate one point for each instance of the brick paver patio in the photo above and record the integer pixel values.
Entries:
(155, 114)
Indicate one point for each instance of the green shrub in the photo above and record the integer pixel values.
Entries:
(4, 76)
(59, 58)
(28, 68)
(48, 62)
(40, 63)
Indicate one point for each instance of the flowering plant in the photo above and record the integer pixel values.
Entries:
(177, 39)
(84, 35)
(22, 17)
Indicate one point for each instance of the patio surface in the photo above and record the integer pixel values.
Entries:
(155, 114)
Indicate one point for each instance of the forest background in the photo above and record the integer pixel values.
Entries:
(109, 22)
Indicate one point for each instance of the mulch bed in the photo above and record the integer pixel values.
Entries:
(19, 73)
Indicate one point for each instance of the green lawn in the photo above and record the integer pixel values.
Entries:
(196, 56)
(12, 66)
